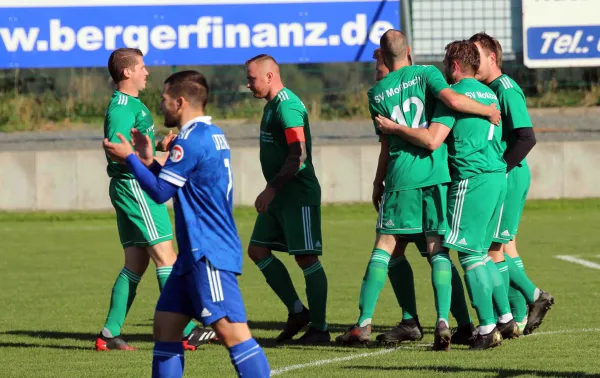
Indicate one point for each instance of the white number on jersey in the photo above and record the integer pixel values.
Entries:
(398, 115)
(491, 133)
(230, 185)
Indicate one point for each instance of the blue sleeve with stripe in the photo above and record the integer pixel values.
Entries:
(182, 161)
(159, 190)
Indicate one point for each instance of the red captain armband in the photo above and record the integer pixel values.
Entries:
(295, 134)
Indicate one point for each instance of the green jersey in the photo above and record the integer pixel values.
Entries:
(408, 97)
(513, 107)
(284, 111)
(474, 145)
(124, 113)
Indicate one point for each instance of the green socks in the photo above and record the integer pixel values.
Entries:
(280, 281)
(162, 274)
(459, 307)
(123, 293)
(373, 282)
(499, 291)
(518, 304)
(441, 277)
(479, 286)
(519, 279)
(503, 270)
(403, 283)
(316, 295)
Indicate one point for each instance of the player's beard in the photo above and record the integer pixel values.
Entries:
(171, 121)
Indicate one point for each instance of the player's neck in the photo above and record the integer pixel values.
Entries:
(128, 89)
(275, 88)
(460, 75)
(188, 115)
(495, 73)
(400, 64)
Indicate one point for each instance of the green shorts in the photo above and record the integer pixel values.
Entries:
(141, 221)
(413, 211)
(517, 187)
(474, 207)
(295, 230)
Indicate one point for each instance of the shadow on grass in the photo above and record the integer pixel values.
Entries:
(28, 345)
(496, 372)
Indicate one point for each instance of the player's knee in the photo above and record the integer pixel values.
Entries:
(258, 253)
(162, 254)
(305, 261)
(231, 334)
(386, 242)
(136, 260)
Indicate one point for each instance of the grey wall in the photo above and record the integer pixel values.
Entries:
(76, 180)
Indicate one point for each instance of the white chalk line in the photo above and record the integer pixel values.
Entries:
(329, 361)
(577, 260)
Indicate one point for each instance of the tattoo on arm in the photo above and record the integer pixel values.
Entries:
(295, 158)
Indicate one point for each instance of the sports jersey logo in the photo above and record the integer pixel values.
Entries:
(176, 154)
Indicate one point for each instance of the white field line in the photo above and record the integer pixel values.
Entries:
(576, 260)
(286, 369)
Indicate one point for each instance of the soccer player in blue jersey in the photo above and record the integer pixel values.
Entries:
(203, 284)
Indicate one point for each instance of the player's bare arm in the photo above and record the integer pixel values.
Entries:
(382, 164)
(296, 156)
(464, 104)
(118, 151)
(430, 138)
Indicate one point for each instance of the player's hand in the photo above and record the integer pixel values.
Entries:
(495, 116)
(118, 151)
(142, 145)
(264, 199)
(386, 125)
(164, 145)
(377, 195)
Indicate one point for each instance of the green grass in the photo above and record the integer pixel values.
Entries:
(57, 271)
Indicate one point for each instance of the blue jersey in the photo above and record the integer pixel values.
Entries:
(200, 165)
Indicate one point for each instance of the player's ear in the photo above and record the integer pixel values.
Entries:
(269, 77)
(126, 73)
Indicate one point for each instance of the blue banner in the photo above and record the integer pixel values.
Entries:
(84, 36)
(566, 42)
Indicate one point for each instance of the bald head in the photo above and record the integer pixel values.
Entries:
(262, 72)
(394, 48)
(264, 64)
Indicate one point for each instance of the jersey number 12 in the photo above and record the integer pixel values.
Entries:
(398, 114)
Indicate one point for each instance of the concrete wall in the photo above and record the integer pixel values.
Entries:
(76, 180)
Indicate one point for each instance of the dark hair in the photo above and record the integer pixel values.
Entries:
(465, 53)
(191, 85)
(490, 44)
(260, 58)
(119, 60)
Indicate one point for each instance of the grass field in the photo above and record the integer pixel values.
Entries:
(57, 271)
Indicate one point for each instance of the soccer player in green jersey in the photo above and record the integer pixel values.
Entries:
(518, 138)
(413, 200)
(402, 279)
(289, 218)
(144, 226)
(475, 199)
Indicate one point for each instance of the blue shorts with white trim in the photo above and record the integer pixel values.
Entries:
(204, 293)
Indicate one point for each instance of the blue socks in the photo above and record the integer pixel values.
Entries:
(167, 360)
(249, 360)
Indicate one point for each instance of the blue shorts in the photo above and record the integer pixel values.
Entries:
(204, 293)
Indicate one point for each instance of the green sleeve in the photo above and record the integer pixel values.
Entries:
(119, 120)
(444, 115)
(435, 81)
(514, 110)
(374, 114)
(292, 114)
